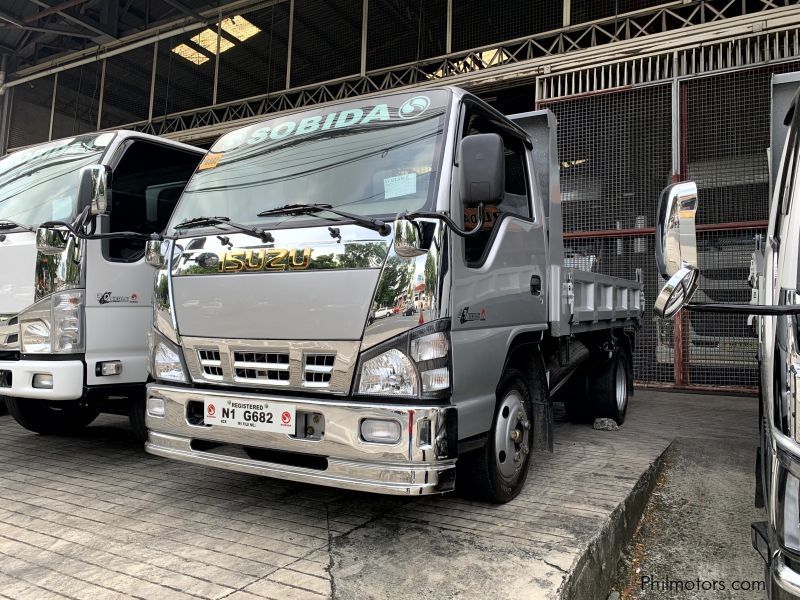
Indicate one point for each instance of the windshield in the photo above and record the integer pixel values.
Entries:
(41, 183)
(373, 159)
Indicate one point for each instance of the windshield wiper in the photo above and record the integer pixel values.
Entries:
(8, 224)
(309, 209)
(264, 236)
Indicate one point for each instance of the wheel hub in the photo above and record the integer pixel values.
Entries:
(621, 381)
(512, 435)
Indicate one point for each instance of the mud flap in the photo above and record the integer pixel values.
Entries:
(758, 501)
(543, 426)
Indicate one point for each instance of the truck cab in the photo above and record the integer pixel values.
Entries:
(74, 312)
(276, 346)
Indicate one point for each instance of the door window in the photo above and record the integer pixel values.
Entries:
(516, 198)
(145, 188)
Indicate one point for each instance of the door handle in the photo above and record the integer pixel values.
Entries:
(536, 285)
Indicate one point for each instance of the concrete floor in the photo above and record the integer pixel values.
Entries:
(94, 517)
(693, 541)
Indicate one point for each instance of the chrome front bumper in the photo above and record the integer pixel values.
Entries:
(422, 462)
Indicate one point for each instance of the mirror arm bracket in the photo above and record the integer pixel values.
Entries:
(448, 221)
(760, 310)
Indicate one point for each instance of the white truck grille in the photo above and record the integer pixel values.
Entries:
(326, 367)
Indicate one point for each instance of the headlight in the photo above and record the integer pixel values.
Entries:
(53, 325)
(166, 361)
(413, 365)
(388, 374)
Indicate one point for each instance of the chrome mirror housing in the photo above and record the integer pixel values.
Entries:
(51, 241)
(155, 255)
(676, 247)
(676, 292)
(676, 240)
(94, 193)
(408, 239)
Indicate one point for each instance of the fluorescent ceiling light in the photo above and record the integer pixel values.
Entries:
(190, 54)
(237, 27)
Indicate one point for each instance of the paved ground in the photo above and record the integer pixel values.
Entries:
(94, 517)
(694, 539)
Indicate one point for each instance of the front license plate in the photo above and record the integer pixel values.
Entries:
(257, 415)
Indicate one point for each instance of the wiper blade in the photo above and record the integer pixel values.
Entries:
(7, 224)
(309, 209)
(263, 235)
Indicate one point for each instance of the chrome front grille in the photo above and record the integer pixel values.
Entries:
(9, 332)
(318, 369)
(211, 364)
(326, 367)
(271, 367)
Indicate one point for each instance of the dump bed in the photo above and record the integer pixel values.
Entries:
(578, 300)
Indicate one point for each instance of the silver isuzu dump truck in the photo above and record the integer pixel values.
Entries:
(372, 295)
(75, 307)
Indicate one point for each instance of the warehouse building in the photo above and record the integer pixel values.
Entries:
(645, 92)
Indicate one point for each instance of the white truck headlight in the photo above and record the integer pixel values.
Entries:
(53, 325)
(166, 361)
(415, 364)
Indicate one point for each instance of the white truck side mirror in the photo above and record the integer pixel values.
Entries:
(94, 192)
(676, 247)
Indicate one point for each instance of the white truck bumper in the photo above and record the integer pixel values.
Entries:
(16, 379)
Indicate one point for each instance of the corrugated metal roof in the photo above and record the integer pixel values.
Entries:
(32, 31)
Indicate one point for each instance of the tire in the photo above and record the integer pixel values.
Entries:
(497, 472)
(3, 408)
(137, 416)
(611, 387)
(59, 418)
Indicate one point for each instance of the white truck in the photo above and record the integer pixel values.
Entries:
(75, 308)
(267, 354)
(775, 276)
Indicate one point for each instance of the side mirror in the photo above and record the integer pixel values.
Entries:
(676, 247)
(483, 169)
(408, 239)
(154, 254)
(676, 240)
(51, 241)
(94, 192)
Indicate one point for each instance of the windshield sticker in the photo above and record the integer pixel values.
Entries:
(401, 185)
(62, 208)
(210, 160)
(351, 117)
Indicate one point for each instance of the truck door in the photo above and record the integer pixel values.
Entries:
(499, 282)
(504, 266)
(146, 183)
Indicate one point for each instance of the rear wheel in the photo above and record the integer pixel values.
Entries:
(497, 472)
(610, 386)
(3, 409)
(51, 418)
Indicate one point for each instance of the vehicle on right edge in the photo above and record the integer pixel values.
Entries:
(775, 305)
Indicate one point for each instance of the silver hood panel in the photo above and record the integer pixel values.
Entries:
(311, 305)
(18, 257)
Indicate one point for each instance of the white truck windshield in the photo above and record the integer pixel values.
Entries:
(41, 183)
(373, 158)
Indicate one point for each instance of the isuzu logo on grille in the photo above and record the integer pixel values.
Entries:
(269, 259)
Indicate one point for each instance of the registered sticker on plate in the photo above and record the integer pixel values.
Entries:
(257, 415)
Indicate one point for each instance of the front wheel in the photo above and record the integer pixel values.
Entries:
(137, 417)
(51, 418)
(497, 472)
